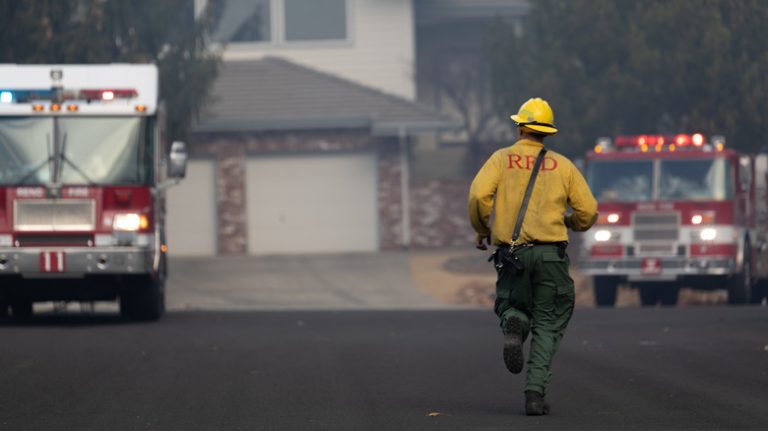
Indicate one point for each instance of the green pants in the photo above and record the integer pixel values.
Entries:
(542, 297)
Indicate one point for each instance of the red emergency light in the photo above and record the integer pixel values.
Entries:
(108, 94)
(682, 140)
(659, 142)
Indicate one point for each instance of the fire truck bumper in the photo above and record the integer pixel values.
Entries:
(33, 262)
(668, 268)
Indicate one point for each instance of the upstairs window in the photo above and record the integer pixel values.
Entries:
(243, 21)
(278, 21)
(307, 20)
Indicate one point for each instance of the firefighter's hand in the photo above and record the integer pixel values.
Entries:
(567, 221)
(483, 241)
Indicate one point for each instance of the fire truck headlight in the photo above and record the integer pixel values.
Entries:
(602, 235)
(129, 222)
(703, 217)
(708, 234)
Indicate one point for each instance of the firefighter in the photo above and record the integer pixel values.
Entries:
(537, 298)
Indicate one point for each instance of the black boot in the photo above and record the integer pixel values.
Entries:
(535, 404)
(513, 345)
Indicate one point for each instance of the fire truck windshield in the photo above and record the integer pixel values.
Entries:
(75, 150)
(696, 180)
(621, 181)
(678, 180)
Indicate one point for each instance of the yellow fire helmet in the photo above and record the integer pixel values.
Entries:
(536, 116)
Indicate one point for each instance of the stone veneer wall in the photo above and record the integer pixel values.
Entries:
(231, 149)
(439, 214)
(390, 203)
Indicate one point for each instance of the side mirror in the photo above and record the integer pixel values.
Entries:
(761, 171)
(745, 172)
(177, 166)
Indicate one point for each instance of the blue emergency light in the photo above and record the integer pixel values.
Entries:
(6, 96)
(25, 95)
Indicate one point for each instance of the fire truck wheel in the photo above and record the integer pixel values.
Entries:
(145, 300)
(759, 291)
(605, 290)
(21, 309)
(655, 293)
(741, 284)
(669, 294)
(649, 295)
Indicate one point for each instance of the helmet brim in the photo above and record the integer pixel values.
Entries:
(537, 128)
(547, 130)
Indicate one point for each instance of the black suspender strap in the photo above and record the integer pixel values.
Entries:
(527, 197)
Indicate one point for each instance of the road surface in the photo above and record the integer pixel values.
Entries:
(702, 368)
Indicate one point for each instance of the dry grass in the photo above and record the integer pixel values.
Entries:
(459, 277)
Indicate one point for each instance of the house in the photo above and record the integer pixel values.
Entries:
(453, 76)
(308, 145)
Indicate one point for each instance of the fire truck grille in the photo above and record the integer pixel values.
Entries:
(46, 240)
(656, 219)
(661, 249)
(662, 228)
(54, 215)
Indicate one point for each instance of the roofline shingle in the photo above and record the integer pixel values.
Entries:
(384, 114)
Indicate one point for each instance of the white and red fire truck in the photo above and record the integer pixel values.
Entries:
(83, 169)
(676, 211)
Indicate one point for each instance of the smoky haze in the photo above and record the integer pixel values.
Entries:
(253, 214)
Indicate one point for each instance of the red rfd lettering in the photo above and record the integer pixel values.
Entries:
(529, 162)
(549, 164)
(552, 166)
(514, 158)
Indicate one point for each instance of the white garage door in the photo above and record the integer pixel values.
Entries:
(312, 204)
(191, 207)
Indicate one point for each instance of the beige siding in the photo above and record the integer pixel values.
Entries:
(191, 206)
(379, 51)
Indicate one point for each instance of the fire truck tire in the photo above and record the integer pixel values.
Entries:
(605, 290)
(741, 284)
(21, 310)
(759, 291)
(648, 296)
(652, 294)
(145, 301)
(669, 294)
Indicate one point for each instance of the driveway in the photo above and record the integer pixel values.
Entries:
(347, 281)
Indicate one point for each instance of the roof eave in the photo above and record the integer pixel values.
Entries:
(378, 128)
(275, 124)
(405, 128)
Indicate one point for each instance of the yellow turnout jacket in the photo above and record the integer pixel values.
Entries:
(505, 176)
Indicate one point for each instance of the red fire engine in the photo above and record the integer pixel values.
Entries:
(83, 169)
(676, 211)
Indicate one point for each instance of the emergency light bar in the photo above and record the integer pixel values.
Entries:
(49, 95)
(109, 89)
(658, 143)
(680, 140)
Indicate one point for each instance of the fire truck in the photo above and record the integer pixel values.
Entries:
(83, 170)
(676, 211)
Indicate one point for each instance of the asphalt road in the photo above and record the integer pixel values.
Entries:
(618, 369)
